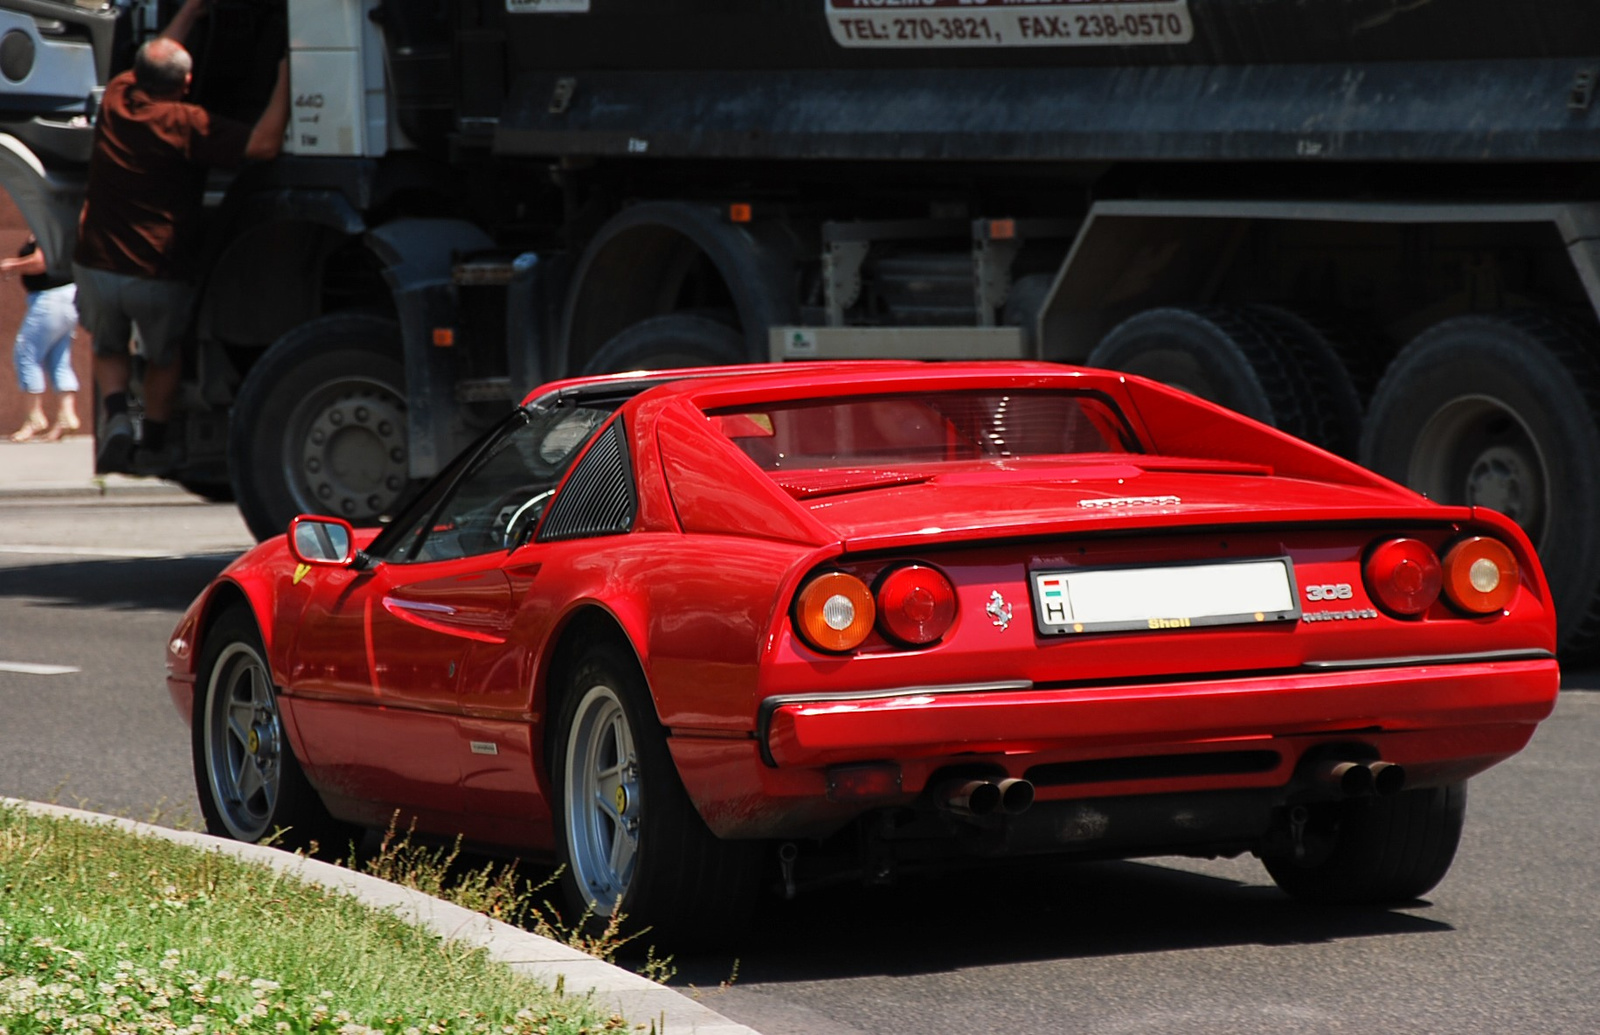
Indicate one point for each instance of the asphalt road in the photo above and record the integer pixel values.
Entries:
(1509, 943)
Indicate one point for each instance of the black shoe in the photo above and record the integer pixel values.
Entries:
(115, 454)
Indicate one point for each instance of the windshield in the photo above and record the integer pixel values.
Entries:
(922, 428)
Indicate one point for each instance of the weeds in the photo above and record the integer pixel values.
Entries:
(502, 892)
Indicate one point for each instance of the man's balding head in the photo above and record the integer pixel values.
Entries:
(162, 67)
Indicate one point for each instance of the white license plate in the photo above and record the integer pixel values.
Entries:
(1171, 597)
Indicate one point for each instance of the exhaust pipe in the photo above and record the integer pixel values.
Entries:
(1015, 796)
(1357, 779)
(971, 798)
(1351, 779)
(1387, 778)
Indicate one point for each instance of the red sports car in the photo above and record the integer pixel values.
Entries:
(690, 633)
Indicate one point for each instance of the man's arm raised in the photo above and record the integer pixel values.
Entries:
(192, 11)
(266, 138)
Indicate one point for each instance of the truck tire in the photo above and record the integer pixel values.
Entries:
(629, 839)
(1501, 411)
(1334, 372)
(1258, 362)
(1382, 851)
(675, 340)
(319, 425)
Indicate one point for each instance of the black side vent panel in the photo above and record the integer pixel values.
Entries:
(598, 497)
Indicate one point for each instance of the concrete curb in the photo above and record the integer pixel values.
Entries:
(109, 488)
(638, 999)
(65, 468)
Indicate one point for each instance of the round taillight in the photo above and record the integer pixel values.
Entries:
(1480, 575)
(1403, 576)
(916, 604)
(835, 612)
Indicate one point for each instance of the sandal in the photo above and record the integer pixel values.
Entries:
(62, 428)
(31, 428)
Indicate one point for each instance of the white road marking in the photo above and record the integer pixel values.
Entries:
(88, 551)
(114, 552)
(30, 669)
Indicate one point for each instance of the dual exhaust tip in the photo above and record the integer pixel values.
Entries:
(1360, 779)
(1009, 797)
(1012, 797)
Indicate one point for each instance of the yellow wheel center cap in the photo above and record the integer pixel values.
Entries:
(254, 742)
(622, 800)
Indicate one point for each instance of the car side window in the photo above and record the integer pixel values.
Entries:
(497, 501)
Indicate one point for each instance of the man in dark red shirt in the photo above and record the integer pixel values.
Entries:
(140, 232)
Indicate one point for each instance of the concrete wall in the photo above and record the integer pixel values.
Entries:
(13, 404)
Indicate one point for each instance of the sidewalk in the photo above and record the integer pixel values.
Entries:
(66, 468)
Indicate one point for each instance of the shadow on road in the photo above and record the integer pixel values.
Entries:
(1025, 913)
(161, 584)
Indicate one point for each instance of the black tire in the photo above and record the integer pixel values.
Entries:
(671, 874)
(1500, 411)
(1384, 850)
(1359, 349)
(666, 342)
(319, 425)
(250, 784)
(1239, 358)
(1332, 367)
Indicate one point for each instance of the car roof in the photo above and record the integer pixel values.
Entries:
(801, 378)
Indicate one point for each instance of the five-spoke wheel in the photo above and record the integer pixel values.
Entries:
(604, 804)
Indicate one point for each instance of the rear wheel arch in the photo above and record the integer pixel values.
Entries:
(658, 258)
(582, 629)
(628, 835)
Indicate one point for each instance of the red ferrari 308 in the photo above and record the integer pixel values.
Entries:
(693, 633)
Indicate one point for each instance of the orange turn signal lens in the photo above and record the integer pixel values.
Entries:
(1480, 575)
(835, 612)
(916, 604)
(1403, 576)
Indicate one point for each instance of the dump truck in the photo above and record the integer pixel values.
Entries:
(1374, 224)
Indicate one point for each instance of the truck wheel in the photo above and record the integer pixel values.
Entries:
(319, 425)
(1256, 362)
(250, 784)
(1376, 851)
(629, 838)
(1500, 411)
(1333, 372)
(674, 340)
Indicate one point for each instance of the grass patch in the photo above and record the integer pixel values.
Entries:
(105, 931)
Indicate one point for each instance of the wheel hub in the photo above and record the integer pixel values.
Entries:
(1501, 479)
(1478, 451)
(354, 460)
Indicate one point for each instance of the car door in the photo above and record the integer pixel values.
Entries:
(387, 731)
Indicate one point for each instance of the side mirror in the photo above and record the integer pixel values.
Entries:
(324, 541)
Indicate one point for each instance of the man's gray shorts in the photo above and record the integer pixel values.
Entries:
(114, 306)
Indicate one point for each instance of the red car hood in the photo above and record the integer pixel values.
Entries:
(874, 509)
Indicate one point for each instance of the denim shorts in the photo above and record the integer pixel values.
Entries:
(116, 307)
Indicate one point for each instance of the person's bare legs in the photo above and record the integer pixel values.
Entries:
(66, 416)
(34, 424)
